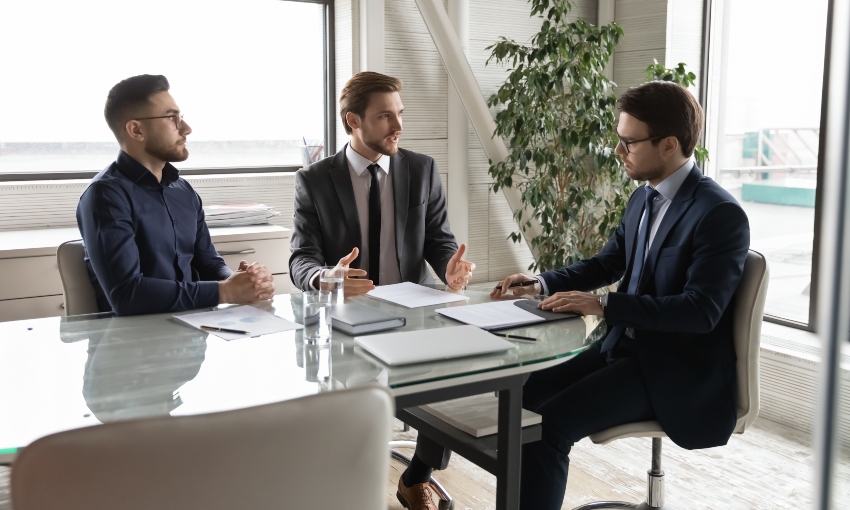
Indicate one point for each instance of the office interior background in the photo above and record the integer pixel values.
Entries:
(257, 78)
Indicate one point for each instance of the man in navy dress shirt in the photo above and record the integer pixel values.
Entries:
(148, 249)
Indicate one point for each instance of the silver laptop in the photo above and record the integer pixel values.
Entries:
(406, 347)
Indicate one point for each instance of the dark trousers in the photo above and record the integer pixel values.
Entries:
(582, 396)
(585, 395)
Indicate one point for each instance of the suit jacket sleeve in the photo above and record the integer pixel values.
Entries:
(605, 268)
(306, 245)
(720, 244)
(440, 243)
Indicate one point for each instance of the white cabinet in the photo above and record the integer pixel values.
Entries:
(30, 286)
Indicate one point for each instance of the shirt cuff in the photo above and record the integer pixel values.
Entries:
(543, 285)
(312, 280)
(208, 294)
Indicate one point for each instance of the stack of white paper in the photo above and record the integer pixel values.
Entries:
(231, 215)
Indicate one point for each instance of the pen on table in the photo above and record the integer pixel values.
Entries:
(224, 330)
(516, 337)
(525, 283)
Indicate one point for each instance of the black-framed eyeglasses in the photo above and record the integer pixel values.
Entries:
(626, 144)
(176, 118)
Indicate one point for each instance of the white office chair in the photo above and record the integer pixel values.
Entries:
(294, 454)
(79, 294)
(747, 318)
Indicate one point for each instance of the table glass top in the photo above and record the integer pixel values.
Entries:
(61, 373)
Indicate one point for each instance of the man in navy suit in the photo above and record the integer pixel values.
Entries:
(679, 253)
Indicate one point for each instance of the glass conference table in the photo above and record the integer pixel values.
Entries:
(61, 373)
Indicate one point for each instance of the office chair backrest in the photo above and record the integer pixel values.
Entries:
(323, 451)
(79, 294)
(747, 318)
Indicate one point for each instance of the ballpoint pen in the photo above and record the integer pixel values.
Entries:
(224, 330)
(525, 283)
(516, 337)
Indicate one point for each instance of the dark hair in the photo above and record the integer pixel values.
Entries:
(668, 109)
(358, 90)
(128, 97)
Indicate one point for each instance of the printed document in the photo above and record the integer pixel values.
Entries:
(412, 295)
(253, 321)
(493, 315)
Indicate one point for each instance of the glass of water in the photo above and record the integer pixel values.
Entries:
(317, 316)
(332, 279)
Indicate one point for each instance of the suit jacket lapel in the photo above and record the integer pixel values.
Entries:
(681, 203)
(399, 167)
(345, 192)
(633, 224)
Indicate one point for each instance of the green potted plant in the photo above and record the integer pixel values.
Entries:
(557, 115)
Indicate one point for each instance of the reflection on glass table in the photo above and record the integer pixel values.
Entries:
(78, 371)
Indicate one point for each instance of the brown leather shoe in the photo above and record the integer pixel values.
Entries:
(416, 497)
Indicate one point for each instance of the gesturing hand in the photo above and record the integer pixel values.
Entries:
(458, 271)
(354, 286)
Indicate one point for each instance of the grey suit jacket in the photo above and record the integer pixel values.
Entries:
(327, 226)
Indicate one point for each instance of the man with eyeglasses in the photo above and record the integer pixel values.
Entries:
(678, 253)
(148, 249)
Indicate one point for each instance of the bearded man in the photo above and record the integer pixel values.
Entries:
(148, 249)
(377, 209)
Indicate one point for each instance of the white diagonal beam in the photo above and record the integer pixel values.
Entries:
(470, 94)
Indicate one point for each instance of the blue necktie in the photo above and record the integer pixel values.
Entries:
(637, 265)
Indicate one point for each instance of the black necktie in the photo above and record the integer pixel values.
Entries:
(374, 226)
(637, 264)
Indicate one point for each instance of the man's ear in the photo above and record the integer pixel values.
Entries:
(353, 120)
(671, 146)
(133, 131)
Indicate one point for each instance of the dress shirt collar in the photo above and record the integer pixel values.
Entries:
(137, 172)
(359, 163)
(670, 186)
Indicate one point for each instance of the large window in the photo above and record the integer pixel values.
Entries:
(249, 76)
(764, 134)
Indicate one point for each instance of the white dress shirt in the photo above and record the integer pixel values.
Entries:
(667, 189)
(361, 179)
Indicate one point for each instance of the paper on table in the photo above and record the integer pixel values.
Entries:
(247, 318)
(497, 314)
(412, 295)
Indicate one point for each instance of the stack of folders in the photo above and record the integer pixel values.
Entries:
(232, 215)
(356, 319)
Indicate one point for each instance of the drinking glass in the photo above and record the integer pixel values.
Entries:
(317, 316)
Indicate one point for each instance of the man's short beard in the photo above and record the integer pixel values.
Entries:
(168, 153)
(381, 149)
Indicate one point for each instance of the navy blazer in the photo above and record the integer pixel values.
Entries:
(681, 313)
(327, 226)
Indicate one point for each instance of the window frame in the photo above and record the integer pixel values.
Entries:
(329, 118)
(709, 52)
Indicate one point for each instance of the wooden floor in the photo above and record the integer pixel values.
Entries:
(768, 467)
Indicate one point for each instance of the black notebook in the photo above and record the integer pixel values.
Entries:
(357, 319)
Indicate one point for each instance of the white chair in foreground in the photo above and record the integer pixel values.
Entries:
(79, 294)
(747, 318)
(294, 454)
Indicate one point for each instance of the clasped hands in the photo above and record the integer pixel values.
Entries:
(458, 272)
(248, 284)
(572, 301)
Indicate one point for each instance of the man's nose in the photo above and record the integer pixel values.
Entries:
(185, 128)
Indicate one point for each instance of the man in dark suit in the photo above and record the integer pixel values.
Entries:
(377, 209)
(668, 355)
